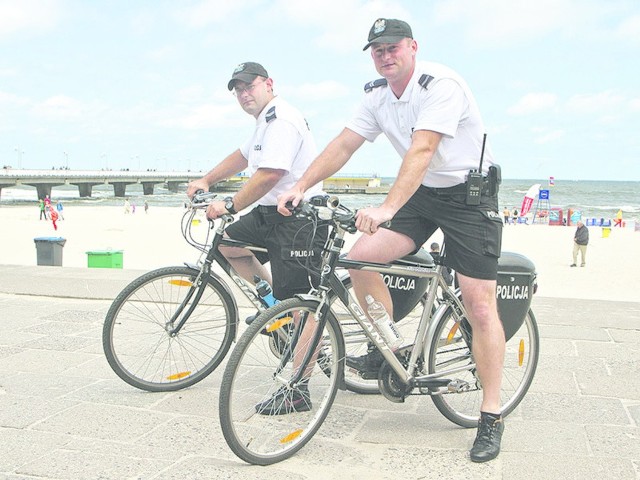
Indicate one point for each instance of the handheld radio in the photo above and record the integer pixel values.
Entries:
(475, 180)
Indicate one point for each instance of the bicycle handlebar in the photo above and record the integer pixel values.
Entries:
(325, 207)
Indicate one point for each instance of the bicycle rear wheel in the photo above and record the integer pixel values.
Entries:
(263, 417)
(136, 338)
(450, 348)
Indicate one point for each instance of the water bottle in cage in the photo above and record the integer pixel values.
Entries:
(384, 323)
(265, 291)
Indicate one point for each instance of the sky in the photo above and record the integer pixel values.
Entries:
(142, 85)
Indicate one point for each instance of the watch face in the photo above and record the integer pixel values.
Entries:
(229, 206)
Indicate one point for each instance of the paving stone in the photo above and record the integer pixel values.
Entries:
(104, 422)
(65, 414)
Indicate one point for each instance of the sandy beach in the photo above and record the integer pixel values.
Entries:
(154, 239)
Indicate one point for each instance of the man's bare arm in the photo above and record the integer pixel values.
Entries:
(332, 158)
(232, 164)
(413, 169)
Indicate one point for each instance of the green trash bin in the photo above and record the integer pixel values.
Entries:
(49, 250)
(104, 259)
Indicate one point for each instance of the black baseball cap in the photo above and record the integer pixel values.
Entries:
(247, 72)
(388, 30)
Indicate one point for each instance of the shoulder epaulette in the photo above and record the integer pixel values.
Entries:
(424, 80)
(381, 82)
(271, 114)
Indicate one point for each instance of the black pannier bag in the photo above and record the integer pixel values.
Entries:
(516, 286)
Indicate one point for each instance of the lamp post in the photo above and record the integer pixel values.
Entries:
(66, 157)
(19, 152)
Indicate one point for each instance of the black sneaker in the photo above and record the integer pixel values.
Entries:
(286, 400)
(487, 443)
(367, 365)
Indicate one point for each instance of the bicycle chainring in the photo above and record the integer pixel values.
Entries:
(391, 386)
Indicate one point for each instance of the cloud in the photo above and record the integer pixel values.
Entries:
(204, 117)
(595, 102)
(9, 98)
(339, 23)
(327, 90)
(509, 22)
(634, 105)
(533, 102)
(629, 29)
(59, 107)
(28, 15)
(549, 137)
(208, 12)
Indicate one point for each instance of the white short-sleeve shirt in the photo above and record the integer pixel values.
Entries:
(446, 106)
(281, 140)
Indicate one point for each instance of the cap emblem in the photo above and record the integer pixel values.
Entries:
(379, 26)
(239, 68)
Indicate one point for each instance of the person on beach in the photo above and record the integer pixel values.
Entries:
(580, 242)
(43, 210)
(506, 213)
(146, 207)
(54, 216)
(276, 155)
(431, 118)
(60, 208)
(127, 206)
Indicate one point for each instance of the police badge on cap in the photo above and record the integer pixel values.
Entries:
(247, 72)
(388, 30)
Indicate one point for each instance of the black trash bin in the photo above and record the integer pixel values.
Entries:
(49, 250)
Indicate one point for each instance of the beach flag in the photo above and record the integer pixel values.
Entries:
(552, 181)
(528, 199)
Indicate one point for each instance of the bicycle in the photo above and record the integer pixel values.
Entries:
(171, 327)
(437, 362)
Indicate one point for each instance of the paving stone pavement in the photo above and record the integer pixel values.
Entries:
(65, 415)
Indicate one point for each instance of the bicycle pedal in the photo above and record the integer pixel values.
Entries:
(433, 384)
(458, 386)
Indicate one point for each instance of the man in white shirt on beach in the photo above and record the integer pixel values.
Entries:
(277, 153)
(430, 116)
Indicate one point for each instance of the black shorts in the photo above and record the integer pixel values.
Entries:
(472, 233)
(294, 247)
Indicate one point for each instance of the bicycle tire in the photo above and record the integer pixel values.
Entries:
(141, 351)
(450, 347)
(254, 374)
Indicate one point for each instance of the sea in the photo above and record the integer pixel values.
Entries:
(593, 199)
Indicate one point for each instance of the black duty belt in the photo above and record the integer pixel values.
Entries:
(457, 189)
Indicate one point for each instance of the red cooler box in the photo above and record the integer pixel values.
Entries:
(555, 216)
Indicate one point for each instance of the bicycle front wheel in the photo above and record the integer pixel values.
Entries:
(451, 348)
(137, 335)
(265, 414)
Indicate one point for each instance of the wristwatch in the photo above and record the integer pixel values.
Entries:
(229, 205)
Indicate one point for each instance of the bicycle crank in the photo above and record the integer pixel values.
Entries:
(391, 386)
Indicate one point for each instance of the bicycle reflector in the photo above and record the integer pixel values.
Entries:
(281, 322)
(180, 283)
(521, 352)
(178, 376)
(291, 437)
(452, 332)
